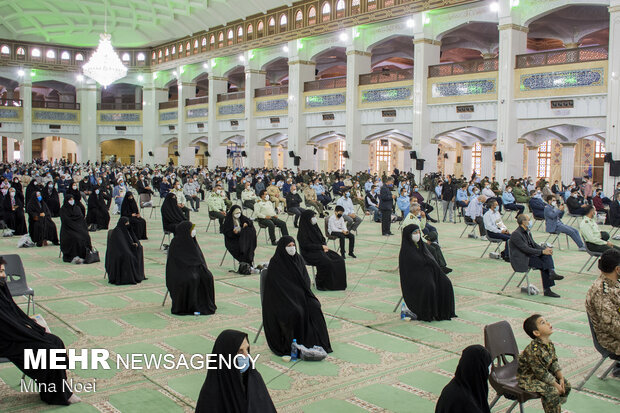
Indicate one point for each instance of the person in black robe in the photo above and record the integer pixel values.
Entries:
(331, 272)
(129, 209)
(20, 332)
(32, 187)
(290, 308)
(17, 185)
(73, 190)
(171, 214)
(239, 235)
(98, 216)
(233, 390)
(427, 291)
(468, 391)
(74, 237)
(188, 278)
(50, 196)
(124, 258)
(40, 225)
(14, 216)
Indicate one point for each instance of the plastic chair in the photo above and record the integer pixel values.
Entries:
(263, 279)
(16, 280)
(592, 255)
(605, 354)
(500, 341)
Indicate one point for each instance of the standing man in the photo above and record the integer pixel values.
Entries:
(386, 200)
(447, 199)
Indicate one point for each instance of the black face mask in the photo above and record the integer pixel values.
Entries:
(339, 215)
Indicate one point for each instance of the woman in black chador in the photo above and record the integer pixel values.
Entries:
(124, 259)
(73, 190)
(171, 214)
(233, 390)
(290, 308)
(50, 196)
(40, 225)
(74, 237)
(14, 215)
(426, 289)
(331, 272)
(239, 235)
(188, 279)
(98, 214)
(129, 209)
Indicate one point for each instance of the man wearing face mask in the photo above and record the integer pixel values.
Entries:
(385, 206)
(525, 254)
(537, 205)
(495, 228)
(553, 222)
(575, 203)
(275, 196)
(293, 204)
(177, 190)
(266, 216)
(311, 200)
(248, 197)
(336, 227)
(353, 221)
(216, 205)
(508, 200)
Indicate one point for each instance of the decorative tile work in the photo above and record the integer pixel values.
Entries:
(563, 79)
(270, 105)
(168, 116)
(60, 116)
(9, 113)
(119, 117)
(197, 113)
(388, 94)
(317, 101)
(464, 88)
(235, 109)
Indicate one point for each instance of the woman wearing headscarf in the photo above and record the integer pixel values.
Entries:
(427, 291)
(468, 391)
(188, 279)
(290, 308)
(239, 235)
(20, 332)
(129, 209)
(14, 216)
(124, 259)
(233, 390)
(50, 196)
(31, 188)
(40, 225)
(17, 185)
(74, 237)
(98, 216)
(73, 190)
(171, 213)
(331, 272)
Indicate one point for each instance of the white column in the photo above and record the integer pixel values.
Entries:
(254, 79)
(426, 53)
(568, 163)
(10, 150)
(138, 94)
(612, 137)
(406, 162)
(217, 85)
(532, 161)
(25, 93)
(486, 160)
(274, 156)
(150, 120)
(87, 97)
(137, 151)
(321, 156)
(187, 90)
(466, 160)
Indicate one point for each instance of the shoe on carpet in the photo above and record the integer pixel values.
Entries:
(549, 293)
(556, 277)
(274, 243)
(581, 249)
(352, 255)
(484, 238)
(495, 255)
(447, 270)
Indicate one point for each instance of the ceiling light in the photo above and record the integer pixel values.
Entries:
(285, 49)
(174, 73)
(140, 78)
(410, 23)
(494, 7)
(241, 58)
(343, 37)
(20, 72)
(79, 78)
(205, 65)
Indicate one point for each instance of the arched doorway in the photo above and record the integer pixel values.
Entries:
(54, 148)
(120, 150)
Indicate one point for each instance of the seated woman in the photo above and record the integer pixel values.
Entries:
(331, 272)
(50, 196)
(233, 390)
(40, 225)
(73, 190)
(74, 237)
(239, 235)
(14, 216)
(20, 332)
(124, 259)
(188, 279)
(290, 308)
(98, 216)
(129, 209)
(171, 214)
(468, 391)
(427, 291)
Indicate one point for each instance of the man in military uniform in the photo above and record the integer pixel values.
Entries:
(539, 370)
(603, 304)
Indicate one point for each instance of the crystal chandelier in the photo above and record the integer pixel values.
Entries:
(104, 66)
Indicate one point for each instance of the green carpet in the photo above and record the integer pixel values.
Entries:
(379, 363)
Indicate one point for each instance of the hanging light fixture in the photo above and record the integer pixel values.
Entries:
(104, 66)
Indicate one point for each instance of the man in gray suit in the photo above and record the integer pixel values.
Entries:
(554, 224)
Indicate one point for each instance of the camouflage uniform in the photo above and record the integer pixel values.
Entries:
(603, 307)
(538, 365)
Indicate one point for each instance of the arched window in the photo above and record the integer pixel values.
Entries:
(220, 37)
(180, 47)
(65, 55)
(543, 169)
(212, 40)
(311, 15)
(325, 12)
(174, 50)
(140, 57)
(599, 150)
(187, 47)
(203, 42)
(159, 54)
(21, 51)
(240, 32)
(299, 19)
(476, 158)
(355, 6)
(35, 52)
(80, 57)
(50, 54)
(260, 28)
(340, 9)
(250, 31)
(167, 52)
(154, 56)
(230, 34)
(5, 49)
(271, 26)
(125, 57)
(283, 20)
(272, 22)
(196, 44)
(371, 5)
(383, 154)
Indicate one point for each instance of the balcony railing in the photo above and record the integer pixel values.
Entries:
(322, 84)
(168, 105)
(271, 91)
(119, 106)
(464, 68)
(223, 97)
(11, 102)
(386, 76)
(560, 57)
(55, 105)
(196, 101)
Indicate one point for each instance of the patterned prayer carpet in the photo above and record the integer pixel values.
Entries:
(379, 363)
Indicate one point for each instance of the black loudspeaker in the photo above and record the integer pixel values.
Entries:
(227, 151)
(419, 164)
(345, 154)
(608, 157)
(314, 151)
(413, 155)
(176, 153)
(614, 168)
(245, 155)
(196, 151)
(291, 154)
(207, 153)
(445, 155)
(498, 156)
(150, 153)
(297, 160)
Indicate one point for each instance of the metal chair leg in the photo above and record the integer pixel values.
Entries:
(222, 262)
(397, 304)
(497, 397)
(512, 406)
(508, 282)
(258, 333)
(165, 296)
(584, 265)
(591, 373)
(485, 250)
(591, 265)
(609, 369)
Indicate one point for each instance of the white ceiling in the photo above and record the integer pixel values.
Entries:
(132, 23)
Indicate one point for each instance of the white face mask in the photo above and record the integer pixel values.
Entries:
(294, 192)
(237, 215)
(266, 197)
(291, 250)
(71, 202)
(415, 237)
(554, 203)
(313, 220)
(193, 233)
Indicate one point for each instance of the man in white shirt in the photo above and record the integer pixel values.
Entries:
(473, 212)
(248, 197)
(190, 190)
(353, 221)
(495, 228)
(337, 228)
(266, 216)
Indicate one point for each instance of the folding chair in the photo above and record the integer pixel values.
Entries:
(16, 279)
(233, 258)
(154, 208)
(525, 276)
(263, 279)
(492, 241)
(605, 354)
(329, 236)
(573, 218)
(508, 213)
(166, 233)
(472, 225)
(165, 296)
(398, 303)
(262, 226)
(211, 219)
(557, 238)
(592, 255)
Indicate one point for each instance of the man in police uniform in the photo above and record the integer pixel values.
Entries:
(603, 304)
